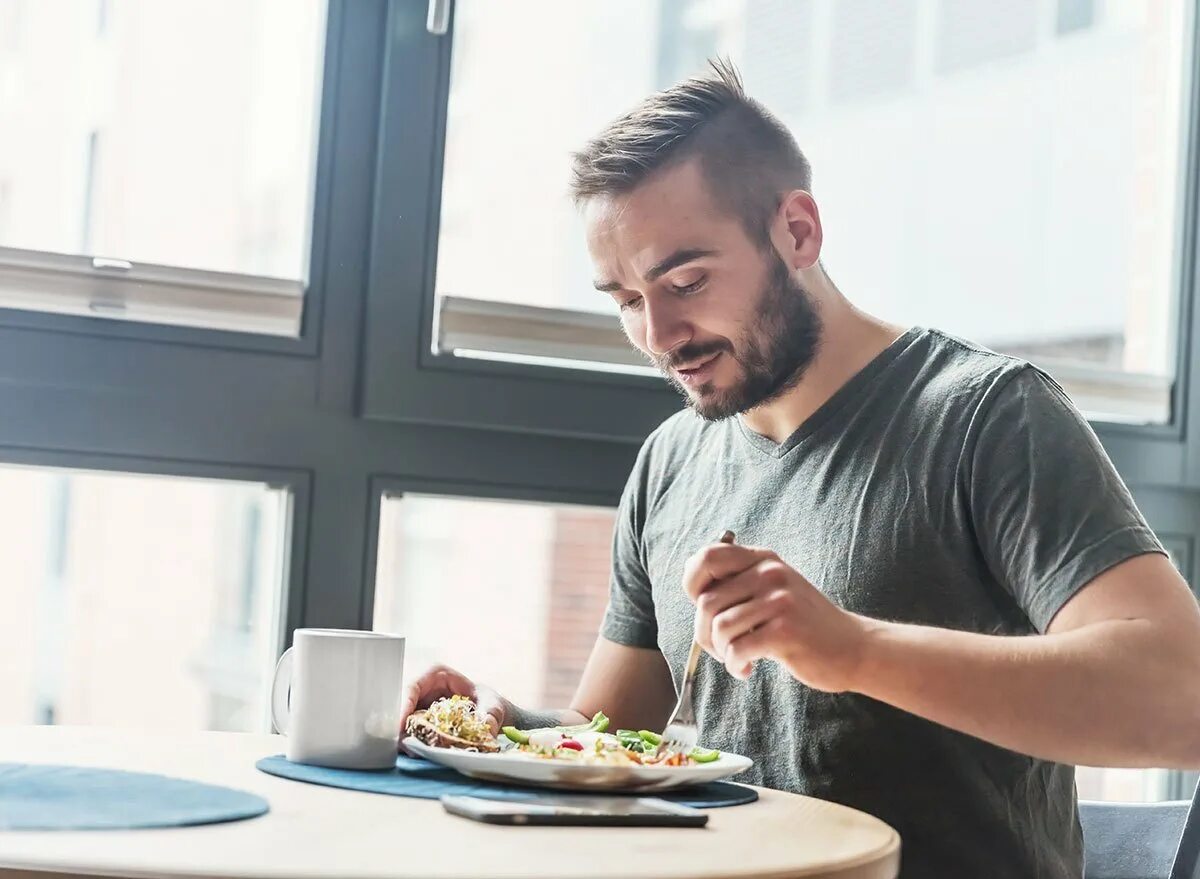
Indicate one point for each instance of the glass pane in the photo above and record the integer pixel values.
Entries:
(1006, 171)
(180, 133)
(510, 593)
(142, 601)
(1123, 785)
(1074, 15)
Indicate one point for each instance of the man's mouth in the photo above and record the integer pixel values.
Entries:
(700, 372)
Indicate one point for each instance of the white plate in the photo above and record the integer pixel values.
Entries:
(516, 767)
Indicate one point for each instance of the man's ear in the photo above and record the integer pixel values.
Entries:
(799, 234)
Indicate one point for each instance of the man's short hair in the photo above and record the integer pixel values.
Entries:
(747, 156)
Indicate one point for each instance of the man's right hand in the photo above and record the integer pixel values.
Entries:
(441, 681)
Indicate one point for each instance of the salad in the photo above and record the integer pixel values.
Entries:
(591, 744)
(455, 722)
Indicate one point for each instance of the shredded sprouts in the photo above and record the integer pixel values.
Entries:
(458, 716)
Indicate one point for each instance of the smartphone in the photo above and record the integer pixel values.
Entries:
(577, 811)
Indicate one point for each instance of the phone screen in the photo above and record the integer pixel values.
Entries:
(576, 810)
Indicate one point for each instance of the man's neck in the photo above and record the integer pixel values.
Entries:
(850, 339)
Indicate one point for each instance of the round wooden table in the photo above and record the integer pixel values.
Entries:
(323, 832)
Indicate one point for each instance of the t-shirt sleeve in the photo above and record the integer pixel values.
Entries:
(629, 618)
(1049, 509)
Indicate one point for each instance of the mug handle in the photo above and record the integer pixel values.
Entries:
(281, 691)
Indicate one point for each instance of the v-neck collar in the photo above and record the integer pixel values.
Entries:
(843, 395)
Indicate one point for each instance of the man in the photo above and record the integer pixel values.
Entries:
(942, 595)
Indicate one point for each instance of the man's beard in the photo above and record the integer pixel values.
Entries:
(774, 352)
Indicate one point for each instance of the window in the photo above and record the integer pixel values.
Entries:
(779, 42)
(142, 601)
(1124, 785)
(873, 50)
(509, 593)
(158, 159)
(535, 50)
(1074, 15)
(963, 157)
(977, 34)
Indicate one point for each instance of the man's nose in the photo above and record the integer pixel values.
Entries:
(666, 328)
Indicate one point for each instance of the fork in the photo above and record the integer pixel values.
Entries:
(681, 733)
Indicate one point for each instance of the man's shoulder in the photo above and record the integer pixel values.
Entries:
(681, 434)
(938, 373)
(681, 438)
(684, 427)
(957, 371)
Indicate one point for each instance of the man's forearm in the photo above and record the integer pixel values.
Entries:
(1103, 695)
(523, 718)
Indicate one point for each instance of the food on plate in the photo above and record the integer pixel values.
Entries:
(591, 744)
(453, 723)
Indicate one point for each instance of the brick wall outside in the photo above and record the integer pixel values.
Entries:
(579, 572)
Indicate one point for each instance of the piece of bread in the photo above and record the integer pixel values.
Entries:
(420, 727)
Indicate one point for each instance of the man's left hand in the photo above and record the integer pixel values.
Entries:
(750, 605)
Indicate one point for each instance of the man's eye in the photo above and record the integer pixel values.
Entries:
(685, 289)
(631, 304)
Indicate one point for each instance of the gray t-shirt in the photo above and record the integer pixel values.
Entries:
(944, 485)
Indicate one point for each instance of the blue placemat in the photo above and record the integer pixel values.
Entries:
(428, 781)
(36, 796)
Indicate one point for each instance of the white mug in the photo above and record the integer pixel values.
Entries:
(336, 696)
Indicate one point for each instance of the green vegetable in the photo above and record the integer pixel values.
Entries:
(599, 723)
(516, 735)
(703, 755)
(650, 738)
(631, 741)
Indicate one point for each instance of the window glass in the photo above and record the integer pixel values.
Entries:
(141, 601)
(511, 593)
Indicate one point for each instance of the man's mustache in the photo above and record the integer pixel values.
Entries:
(691, 354)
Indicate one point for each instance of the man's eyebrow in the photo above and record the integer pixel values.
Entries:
(674, 261)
